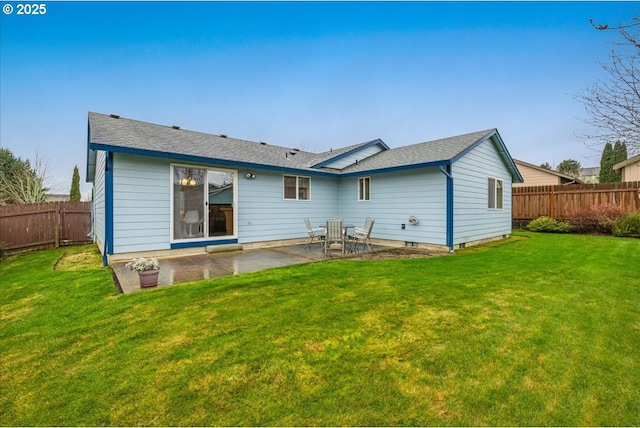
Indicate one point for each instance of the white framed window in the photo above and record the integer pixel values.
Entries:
(203, 203)
(495, 194)
(364, 189)
(297, 188)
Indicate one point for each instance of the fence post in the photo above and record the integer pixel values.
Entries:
(57, 226)
(552, 203)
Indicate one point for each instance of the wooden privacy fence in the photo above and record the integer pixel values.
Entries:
(51, 224)
(563, 202)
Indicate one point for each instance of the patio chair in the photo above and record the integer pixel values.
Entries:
(192, 218)
(314, 233)
(335, 239)
(362, 235)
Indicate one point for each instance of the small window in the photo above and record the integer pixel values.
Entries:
(496, 194)
(364, 189)
(297, 188)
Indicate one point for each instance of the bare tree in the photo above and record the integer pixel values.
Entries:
(28, 185)
(613, 105)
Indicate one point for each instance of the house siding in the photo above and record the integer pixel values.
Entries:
(264, 214)
(141, 206)
(395, 197)
(99, 201)
(473, 220)
(631, 172)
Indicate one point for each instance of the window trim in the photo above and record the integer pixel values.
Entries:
(367, 182)
(495, 194)
(297, 177)
(180, 241)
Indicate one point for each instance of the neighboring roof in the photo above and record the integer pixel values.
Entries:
(590, 170)
(550, 172)
(113, 133)
(54, 197)
(627, 162)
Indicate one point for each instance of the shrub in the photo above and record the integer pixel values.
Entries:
(627, 225)
(548, 224)
(597, 219)
(2, 249)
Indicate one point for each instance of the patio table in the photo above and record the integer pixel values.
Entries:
(345, 228)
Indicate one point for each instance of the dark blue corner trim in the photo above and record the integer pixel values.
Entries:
(449, 232)
(108, 206)
(178, 245)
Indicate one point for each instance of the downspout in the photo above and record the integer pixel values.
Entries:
(108, 208)
(449, 233)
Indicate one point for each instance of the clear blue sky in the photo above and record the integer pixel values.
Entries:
(306, 75)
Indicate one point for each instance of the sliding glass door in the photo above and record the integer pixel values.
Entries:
(204, 201)
(221, 203)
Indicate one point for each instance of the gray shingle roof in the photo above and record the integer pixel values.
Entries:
(325, 156)
(429, 152)
(134, 136)
(142, 136)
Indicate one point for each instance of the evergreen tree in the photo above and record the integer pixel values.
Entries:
(606, 165)
(74, 193)
(570, 167)
(546, 166)
(619, 152)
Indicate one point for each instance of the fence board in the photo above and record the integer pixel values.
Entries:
(563, 202)
(49, 224)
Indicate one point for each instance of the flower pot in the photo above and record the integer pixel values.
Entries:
(148, 278)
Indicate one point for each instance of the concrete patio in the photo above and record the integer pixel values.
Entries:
(176, 270)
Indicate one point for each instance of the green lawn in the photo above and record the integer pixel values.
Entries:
(537, 330)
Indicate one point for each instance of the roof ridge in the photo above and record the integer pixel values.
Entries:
(207, 134)
(483, 132)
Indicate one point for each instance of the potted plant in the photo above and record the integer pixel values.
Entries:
(147, 269)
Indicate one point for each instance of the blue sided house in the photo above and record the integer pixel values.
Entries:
(165, 189)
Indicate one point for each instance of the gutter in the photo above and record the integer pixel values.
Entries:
(449, 231)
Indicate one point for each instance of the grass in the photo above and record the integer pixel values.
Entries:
(535, 330)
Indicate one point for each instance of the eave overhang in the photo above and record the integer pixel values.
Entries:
(204, 160)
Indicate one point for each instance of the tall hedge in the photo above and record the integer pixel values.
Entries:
(74, 193)
(606, 165)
